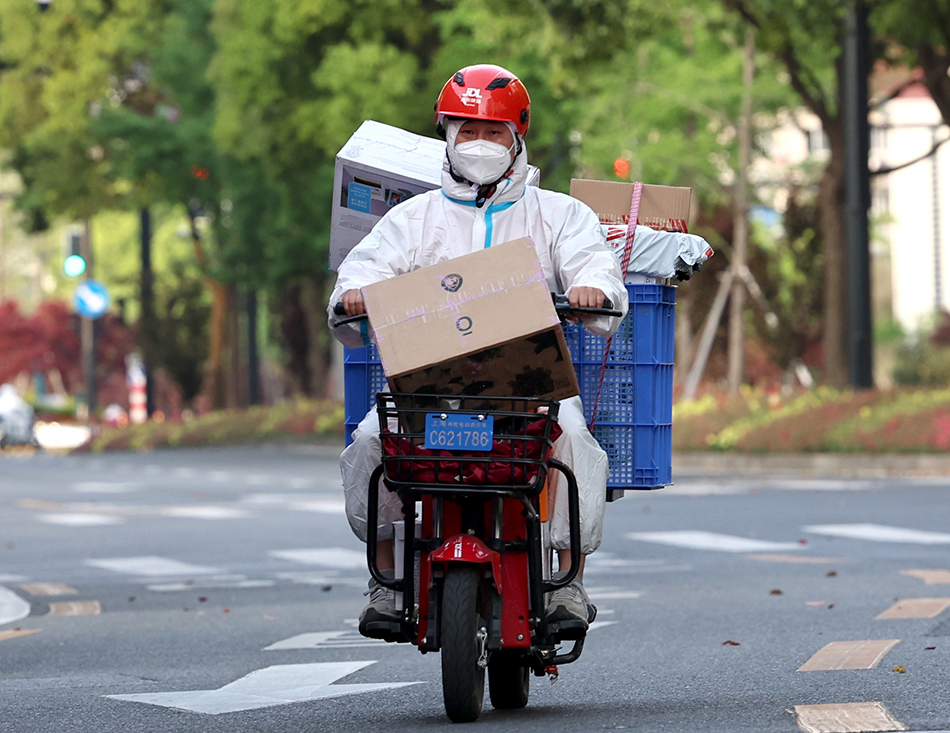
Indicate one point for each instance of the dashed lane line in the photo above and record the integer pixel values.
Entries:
(330, 557)
(930, 577)
(840, 655)
(325, 640)
(48, 589)
(851, 717)
(769, 557)
(80, 519)
(698, 540)
(151, 565)
(75, 608)
(880, 533)
(16, 633)
(916, 608)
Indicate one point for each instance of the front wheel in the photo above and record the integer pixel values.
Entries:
(508, 681)
(463, 645)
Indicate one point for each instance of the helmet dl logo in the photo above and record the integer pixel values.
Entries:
(472, 97)
(452, 282)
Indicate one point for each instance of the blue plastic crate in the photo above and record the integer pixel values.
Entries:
(635, 410)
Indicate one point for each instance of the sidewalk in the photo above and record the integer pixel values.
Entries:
(812, 465)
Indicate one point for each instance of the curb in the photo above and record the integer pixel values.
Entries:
(813, 465)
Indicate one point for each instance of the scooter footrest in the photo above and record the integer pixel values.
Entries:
(568, 630)
(385, 630)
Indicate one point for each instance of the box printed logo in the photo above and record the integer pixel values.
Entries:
(452, 282)
(472, 97)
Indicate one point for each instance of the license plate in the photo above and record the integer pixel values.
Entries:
(452, 431)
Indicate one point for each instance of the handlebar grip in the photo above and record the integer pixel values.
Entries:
(339, 310)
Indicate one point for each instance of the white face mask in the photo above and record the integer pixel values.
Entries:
(481, 161)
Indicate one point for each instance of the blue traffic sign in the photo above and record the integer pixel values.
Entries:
(91, 299)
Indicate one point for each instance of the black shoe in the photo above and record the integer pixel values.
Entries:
(380, 619)
(569, 612)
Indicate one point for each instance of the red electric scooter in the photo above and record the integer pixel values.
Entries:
(474, 557)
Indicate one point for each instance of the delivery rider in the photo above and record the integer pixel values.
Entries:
(483, 113)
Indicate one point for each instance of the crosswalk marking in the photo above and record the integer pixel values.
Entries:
(840, 655)
(880, 533)
(852, 717)
(916, 608)
(930, 577)
(204, 512)
(212, 583)
(277, 685)
(151, 565)
(330, 557)
(698, 540)
(611, 593)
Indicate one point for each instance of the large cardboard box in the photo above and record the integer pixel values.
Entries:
(661, 207)
(381, 166)
(483, 323)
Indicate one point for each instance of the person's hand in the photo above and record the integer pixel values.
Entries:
(586, 297)
(353, 303)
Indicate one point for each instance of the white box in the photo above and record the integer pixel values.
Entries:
(381, 166)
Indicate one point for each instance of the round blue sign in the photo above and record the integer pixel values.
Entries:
(91, 299)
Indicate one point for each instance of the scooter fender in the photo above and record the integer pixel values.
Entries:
(465, 548)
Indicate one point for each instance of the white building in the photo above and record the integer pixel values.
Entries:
(910, 227)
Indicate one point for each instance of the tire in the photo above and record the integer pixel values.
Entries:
(508, 681)
(463, 681)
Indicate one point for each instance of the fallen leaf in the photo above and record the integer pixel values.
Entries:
(269, 618)
(929, 648)
(730, 643)
(830, 606)
(186, 609)
(225, 610)
(803, 541)
(775, 592)
(899, 668)
(202, 599)
(131, 598)
(831, 574)
(326, 588)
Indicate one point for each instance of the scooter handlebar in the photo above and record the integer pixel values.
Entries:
(561, 305)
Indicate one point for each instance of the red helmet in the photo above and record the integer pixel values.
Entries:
(484, 92)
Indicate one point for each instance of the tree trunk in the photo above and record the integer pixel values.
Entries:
(313, 299)
(831, 223)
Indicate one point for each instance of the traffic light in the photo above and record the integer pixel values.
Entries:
(75, 264)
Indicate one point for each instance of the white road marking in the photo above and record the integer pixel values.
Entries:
(852, 717)
(600, 625)
(325, 640)
(322, 506)
(277, 685)
(880, 533)
(698, 540)
(11, 578)
(151, 565)
(307, 577)
(12, 607)
(80, 519)
(611, 593)
(204, 512)
(330, 557)
(104, 487)
(211, 584)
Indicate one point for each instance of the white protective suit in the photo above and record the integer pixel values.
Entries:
(439, 225)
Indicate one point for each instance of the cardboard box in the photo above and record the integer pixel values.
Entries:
(478, 324)
(661, 207)
(381, 166)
